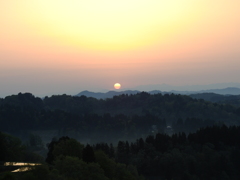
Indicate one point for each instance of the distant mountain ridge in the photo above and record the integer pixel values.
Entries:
(110, 94)
(167, 87)
(226, 91)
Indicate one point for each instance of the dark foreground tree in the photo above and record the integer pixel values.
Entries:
(65, 146)
(88, 154)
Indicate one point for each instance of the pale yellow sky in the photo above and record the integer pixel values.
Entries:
(60, 46)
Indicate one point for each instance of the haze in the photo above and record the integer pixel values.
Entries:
(59, 46)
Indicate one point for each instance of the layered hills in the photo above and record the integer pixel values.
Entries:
(120, 117)
(100, 95)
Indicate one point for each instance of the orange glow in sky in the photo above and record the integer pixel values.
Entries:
(60, 46)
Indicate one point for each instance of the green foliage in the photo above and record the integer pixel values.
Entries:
(36, 173)
(8, 176)
(94, 171)
(11, 148)
(69, 147)
(209, 153)
(28, 176)
(64, 147)
(107, 164)
(73, 167)
(90, 165)
(122, 173)
(41, 172)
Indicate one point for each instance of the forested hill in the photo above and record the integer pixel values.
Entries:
(169, 107)
(100, 95)
(126, 115)
(217, 98)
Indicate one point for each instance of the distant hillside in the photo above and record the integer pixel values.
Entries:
(167, 87)
(167, 106)
(209, 97)
(226, 91)
(110, 94)
(123, 116)
(217, 98)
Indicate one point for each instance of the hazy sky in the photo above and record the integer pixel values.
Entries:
(67, 46)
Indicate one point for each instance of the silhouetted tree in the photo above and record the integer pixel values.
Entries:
(88, 154)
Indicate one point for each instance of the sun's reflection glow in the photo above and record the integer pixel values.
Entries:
(25, 166)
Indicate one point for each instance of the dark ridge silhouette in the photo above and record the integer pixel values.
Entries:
(110, 94)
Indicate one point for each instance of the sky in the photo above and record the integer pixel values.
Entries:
(67, 46)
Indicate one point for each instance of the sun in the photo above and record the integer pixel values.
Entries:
(117, 86)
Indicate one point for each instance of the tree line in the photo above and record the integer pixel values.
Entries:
(120, 117)
(67, 159)
(209, 153)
